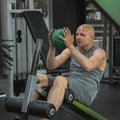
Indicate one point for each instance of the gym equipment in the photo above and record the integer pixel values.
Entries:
(2, 95)
(19, 38)
(112, 15)
(41, 108)
(69, 96)
(113, 21)
(28, 105)
(56, 40)
(13, 105)
(38, 29)
(35, 108)
(88, 111)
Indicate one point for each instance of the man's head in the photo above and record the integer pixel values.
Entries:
(85, 35)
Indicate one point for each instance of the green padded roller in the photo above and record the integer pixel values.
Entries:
(56, 40)
(88, 111)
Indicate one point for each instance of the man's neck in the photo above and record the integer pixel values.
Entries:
(86, 48)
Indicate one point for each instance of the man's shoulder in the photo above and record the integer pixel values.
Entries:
(96, 48)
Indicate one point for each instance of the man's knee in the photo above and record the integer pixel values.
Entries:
(42, 77)
(60, 81)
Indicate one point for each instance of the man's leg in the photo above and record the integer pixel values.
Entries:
(56, 94)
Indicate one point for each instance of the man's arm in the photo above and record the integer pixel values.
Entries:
(97, 60)
(56, 61)
(52, 60)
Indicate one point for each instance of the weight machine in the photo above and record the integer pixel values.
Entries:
(28, 106)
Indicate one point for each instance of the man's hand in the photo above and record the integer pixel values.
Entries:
(50, 37)
(68, 37)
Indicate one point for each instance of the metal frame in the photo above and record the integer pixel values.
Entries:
(6, 31)
(112, 26)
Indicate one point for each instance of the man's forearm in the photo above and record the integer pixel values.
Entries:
(51, 58)
(81, 59)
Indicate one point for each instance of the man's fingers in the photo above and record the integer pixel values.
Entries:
(50, 33)
(66, 31)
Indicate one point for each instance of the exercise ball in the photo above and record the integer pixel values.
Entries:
(56, 40)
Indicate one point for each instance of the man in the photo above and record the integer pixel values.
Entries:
(86, 69)
(87, 66)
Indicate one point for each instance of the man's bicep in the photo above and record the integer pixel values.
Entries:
(98, 57)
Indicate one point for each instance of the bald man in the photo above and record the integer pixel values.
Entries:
(87, 66)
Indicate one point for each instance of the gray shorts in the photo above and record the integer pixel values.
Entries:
(50, 79)
(83, 93)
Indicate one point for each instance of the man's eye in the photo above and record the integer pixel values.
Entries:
(82, 34)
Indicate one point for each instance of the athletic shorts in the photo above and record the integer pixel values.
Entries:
(82, 93)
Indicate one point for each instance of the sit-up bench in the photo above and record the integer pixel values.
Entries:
(27, 106)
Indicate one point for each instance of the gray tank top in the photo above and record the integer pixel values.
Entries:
(91, 78)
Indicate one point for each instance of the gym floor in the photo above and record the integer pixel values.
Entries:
(107, 103)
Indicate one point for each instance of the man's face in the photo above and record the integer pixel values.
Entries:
(83, 37)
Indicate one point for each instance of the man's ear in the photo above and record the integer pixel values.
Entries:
(92, 37)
